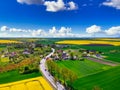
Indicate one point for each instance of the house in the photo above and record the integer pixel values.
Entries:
(26, 51)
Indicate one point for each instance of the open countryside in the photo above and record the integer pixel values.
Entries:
(60, 45)
(63, 66)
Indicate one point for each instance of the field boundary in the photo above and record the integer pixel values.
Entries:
(106, 62)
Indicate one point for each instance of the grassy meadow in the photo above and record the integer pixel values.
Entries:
(83, 68)
(106, 80)
(14, 75)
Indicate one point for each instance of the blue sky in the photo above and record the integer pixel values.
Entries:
(56, 18)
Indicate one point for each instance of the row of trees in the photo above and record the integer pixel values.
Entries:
(63, 75)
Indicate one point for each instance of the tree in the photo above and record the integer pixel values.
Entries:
(72, 56)
(72, 77)
(65, 75)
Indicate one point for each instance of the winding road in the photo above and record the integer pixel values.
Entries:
(47, 75)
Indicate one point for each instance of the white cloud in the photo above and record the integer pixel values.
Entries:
(17, 30)
(54, 6)
(29, 2)
(113, 31)
(65, 30)
(53, 30)
(93, 29)
(4, 28)
(38, 32)
(72, 6)
(60, 32)
(112, 3)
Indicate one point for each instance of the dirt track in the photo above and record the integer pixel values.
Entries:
(102, 61)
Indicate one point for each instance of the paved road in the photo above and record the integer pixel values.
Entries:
(47, 75)
(102, 61)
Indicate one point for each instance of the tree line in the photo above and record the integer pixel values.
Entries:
(63, 75)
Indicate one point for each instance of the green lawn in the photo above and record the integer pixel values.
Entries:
(83, 68)
(107, 80)
(12, 76)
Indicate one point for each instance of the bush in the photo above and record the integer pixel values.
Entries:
(28, 69)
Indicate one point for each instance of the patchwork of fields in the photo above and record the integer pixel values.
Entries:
(90, 74)
(38, 83)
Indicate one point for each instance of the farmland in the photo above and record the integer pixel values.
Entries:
(8, 41)
(83, 68)
(93, 75)
(87, 42)
(15, 76)
(67, 65)
(106, 80)
(38, 83)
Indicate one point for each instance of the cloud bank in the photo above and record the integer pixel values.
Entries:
(54, 6)
(112, 3)
(112, 31)
(51, 6)
(29, 2)
(61, 32)
(93, 29)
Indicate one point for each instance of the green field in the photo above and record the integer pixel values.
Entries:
(14, 75)
(83, 68)
(2, 47)
(107, 50)
(107, 80)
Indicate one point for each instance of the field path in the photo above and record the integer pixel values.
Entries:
(106, 62)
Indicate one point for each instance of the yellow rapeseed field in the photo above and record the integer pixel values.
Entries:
(38, 83)
(8, 41)
(83, 42)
